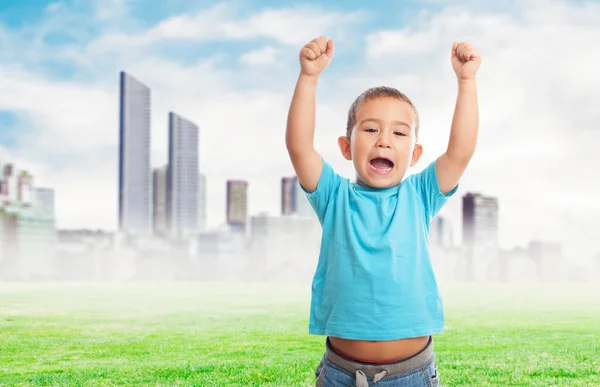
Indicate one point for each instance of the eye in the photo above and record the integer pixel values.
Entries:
(370, 130)
(399, 134)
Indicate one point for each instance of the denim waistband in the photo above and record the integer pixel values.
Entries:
(412, 363)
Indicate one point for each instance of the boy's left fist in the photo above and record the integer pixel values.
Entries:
(465, 60)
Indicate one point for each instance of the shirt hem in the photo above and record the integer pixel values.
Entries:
(378, 336)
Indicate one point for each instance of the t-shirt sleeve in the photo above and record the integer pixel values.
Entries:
(328, 184)
(427, 186)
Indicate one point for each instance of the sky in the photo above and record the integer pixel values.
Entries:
(231, 68)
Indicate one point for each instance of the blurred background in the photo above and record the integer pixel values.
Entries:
(144, 140)
(152, 231)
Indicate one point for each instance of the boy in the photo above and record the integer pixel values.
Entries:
(374, 293)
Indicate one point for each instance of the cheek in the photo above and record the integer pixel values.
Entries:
(359, 145)
(354, 146)
(360, 151)
(407, 147)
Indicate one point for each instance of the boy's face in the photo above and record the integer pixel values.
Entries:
(383, 144)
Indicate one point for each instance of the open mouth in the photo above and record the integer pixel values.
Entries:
(382, 165)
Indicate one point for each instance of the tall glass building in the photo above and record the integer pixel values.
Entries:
(289, 195)
(135, 200)
(182, 176)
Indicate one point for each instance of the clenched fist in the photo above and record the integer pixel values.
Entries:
(465, 60)
(316, 56)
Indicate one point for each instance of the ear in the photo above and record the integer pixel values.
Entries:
(416, 154)
(344, 144)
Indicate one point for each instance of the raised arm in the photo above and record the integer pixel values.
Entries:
(300, 132)
(465, 124)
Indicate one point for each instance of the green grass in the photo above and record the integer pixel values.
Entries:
(256, 335)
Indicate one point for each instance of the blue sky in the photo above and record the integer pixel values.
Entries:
(8, 133)
(231, 68)
(149, 12)
(70, 24)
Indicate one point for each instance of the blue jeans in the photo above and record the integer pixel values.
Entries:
(420, 370)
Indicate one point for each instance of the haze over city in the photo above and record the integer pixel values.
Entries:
(230, 68)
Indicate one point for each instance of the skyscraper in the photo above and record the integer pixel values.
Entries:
(7, 183)
(293, 198)
(289, 195)
(201, 202)
(25, 190)
(159, 200)
(480, 238)
(480, 220)
(237, 204)
(135, 205)
(27, 226)
(182, 176)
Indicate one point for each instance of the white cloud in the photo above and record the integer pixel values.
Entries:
(265, 56)
(290, 26)
(71, 117)
(226, 22)
(109, 10)
(538, 94)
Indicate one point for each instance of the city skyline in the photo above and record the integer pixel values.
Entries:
(27, 225)
(536, 149)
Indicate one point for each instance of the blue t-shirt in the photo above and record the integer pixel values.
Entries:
(374, 279)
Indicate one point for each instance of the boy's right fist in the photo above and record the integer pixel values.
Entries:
(316, 56)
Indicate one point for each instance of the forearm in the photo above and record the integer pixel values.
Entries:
(465, 123)
(300, 132)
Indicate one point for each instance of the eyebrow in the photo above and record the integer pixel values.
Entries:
(379, 121)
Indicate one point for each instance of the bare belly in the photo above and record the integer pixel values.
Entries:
(380, 351)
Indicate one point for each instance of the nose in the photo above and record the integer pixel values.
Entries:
(383, 141)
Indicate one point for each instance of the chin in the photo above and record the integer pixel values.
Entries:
(386, 184)
(381, 181)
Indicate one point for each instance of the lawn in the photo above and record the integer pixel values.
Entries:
(215, 334)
